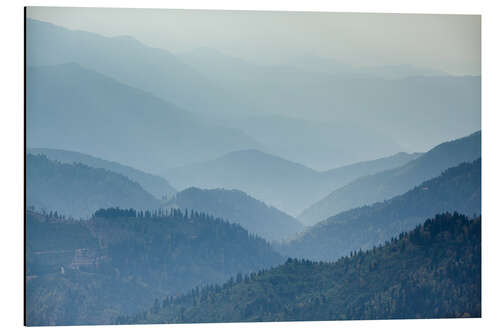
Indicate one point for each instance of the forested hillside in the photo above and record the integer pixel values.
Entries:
(210, 166)
(456, 189)
(387, 184)
(78, 190)
(238, 207)
(119, 261)
(433, 271)
(156, 185)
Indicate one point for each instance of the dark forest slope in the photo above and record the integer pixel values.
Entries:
(433, 271)
(119, 261)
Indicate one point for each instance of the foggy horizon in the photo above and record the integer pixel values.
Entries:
(445, 42)
(324, 63)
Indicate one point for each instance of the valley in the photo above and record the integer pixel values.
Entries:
(178, 173)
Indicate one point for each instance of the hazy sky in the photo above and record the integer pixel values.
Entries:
(450, 43)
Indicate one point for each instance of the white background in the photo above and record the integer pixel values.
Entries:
(11, 162)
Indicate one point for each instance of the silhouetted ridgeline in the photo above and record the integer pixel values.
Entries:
(119, 261)
(433, 271)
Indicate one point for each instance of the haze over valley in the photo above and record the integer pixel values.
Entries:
(175, 178)
(311, 109)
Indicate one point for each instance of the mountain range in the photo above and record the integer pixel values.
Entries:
(286, 185)
(336, 98)
(456, 189)
(389, 183)
(77, 190)
(233, 93)
(433, 271)
(167, 187)
(154, 70)
(72, 108)
(154, 184)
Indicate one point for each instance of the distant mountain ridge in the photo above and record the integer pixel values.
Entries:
(127, 125)
(263, 176)
(283, 184)
(456, 189)
(315, 63)
(345, 174)
(216, 86)
(238, 207)
(373, 165)
(161, 73)
(320, 145)
(387, 184)
(78, 190)
(155, 185)
(340, 96)
(175, 80)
